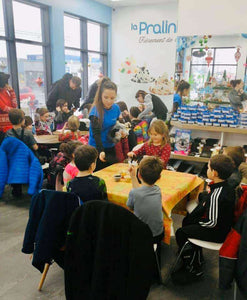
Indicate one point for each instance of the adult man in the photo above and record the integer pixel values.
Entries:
(67, 88)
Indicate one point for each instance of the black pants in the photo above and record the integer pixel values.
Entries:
(157, 240)
(191, 229)
(111, 159)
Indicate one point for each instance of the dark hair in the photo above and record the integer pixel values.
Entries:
(68, 148)
(76, 80)
(16, 116)
(222, 164)
(236, 153)
(42, 111)
(135, 111)
(234, 83)
(141, 92)
(150, 169)
(85, 155)
(88, 106)
(122, 105)
(60, 103)
(183, 85)
(28, 121)
(104, 84)
(4, 78)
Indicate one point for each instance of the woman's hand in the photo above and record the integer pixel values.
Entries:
(58, 108)
(8, 87)
(132, 170)
(102, 156)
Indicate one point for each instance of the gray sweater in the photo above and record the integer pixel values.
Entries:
(236, 99)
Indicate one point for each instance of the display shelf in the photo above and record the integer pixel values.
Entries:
(189, 158)
(205, 101)
(209, 128)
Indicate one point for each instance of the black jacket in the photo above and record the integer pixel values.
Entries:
(61, 90)
(109, 254)
(89, 99)
(49, 216)
(159, 108)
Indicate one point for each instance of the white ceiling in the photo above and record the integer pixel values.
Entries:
(132, 2)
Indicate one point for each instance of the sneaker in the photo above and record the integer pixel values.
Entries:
(187, 275)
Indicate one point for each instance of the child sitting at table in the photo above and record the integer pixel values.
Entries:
(73, 133)
(62, 113)
(85, 185)
(237, 155)
(43, 124)
(71, 170)
(145, 198)
(17, 119)
(60, 161)
(158, 145)
(211, 220)
(28, 123)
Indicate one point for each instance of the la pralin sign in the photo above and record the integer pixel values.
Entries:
(144, 29)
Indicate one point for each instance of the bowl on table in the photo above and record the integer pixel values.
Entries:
(117, 177)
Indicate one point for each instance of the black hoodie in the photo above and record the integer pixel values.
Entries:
(61, 90)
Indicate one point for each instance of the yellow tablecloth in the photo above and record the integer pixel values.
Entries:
(174, 187)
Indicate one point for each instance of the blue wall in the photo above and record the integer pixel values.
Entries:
(85, 8)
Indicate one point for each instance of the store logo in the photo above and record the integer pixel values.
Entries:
(162, 28)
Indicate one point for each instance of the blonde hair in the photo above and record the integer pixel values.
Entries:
(73, 123)
(160, 127)
(42, 111)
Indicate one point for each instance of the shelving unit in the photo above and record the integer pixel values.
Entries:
(221, 130)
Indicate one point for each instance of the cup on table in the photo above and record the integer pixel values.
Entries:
(117, 177)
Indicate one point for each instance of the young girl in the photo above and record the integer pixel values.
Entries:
(183, 89)
(62, 113)
(71, 170)
(237, 97)
(43, 125)
(158, 145)
(103, 116)
(74, 134)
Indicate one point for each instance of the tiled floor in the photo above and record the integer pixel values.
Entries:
(19, 280)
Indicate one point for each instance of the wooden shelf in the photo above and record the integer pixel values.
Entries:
(209, 128)
(189, 158)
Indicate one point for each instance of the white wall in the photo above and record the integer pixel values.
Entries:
(159, 57)
(197, 17)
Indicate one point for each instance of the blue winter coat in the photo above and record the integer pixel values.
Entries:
(18, 164)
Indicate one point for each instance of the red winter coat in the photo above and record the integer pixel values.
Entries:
(7, 102)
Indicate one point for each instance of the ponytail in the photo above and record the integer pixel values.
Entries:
(234, 83)
(183, 85)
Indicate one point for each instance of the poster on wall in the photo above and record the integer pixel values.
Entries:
(144, 51)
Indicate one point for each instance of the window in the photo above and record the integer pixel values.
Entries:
(223, 64)
(27, 41)
(85, 49)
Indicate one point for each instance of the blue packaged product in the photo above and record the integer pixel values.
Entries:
(191, 122)
(174, 119)
(231, 121)
(216, 124)
(208, 124)
(212, 120)
(199, 122)
(175, 115)
(233, 125)
(222, 120)
(184, 121)
(224, 125)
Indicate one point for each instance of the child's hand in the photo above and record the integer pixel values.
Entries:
(132, 170)
(65, 125)
(102, 156)
(123, 134)
(131, 154)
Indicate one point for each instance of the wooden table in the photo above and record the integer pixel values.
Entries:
(175, 186)
(47, 139)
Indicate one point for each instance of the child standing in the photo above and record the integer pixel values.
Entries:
(183, 90)
(210, 221)
(158, 145)
(145, 198)
(62, 113)
(103, 116)
(85, 185)
(138, 133)
(74, 133)
(43, 125)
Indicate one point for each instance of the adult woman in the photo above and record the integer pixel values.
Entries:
(182, 90)
(237, 96)
(7, 102)
(103, 116)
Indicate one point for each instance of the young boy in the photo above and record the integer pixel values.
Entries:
(145, 198)
(85, 185)
(17, 119)
(210, 221)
